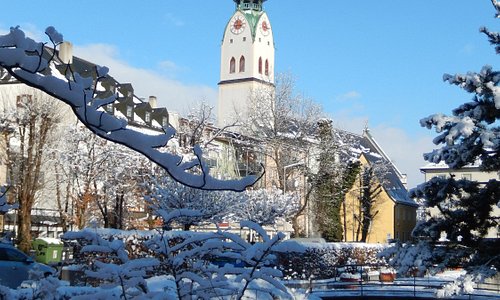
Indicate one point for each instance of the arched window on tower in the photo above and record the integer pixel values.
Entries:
(260, 65)
(267, 68)
(232, 65)
(242, 64)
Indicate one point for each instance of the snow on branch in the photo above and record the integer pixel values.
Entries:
(35, 64)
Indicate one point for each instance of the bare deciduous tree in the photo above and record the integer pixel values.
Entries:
(31, 119)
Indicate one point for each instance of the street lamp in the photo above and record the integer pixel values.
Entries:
(284, 173)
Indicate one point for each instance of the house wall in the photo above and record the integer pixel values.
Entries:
(405, 219)
(470, 173)
(382, 224)
(466, 173)
(391, 221)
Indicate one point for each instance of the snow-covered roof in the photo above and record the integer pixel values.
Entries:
(443, 166)
(393, 183)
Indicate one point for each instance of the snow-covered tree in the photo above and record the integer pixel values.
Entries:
(471, 135)
(266, 207)
(98, 180)
(29, 124)
(109, 265)
(37, 65)
(191, 261)
(283, 121)
(194, 207)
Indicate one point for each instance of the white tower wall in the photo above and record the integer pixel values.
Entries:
(254, 41)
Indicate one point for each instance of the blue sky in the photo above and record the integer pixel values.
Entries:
(379, 62)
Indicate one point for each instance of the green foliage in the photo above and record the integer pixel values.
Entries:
(336, 176)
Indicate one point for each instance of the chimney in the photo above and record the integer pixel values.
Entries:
(152, 102)
(66, 52)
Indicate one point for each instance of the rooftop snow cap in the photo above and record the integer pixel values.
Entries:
(249, 4)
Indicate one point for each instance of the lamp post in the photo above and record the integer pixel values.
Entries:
(284, 173)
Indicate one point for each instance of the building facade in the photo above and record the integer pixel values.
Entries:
(469, 172)
(394, 212)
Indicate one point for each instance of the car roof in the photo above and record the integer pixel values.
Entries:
(5, 245)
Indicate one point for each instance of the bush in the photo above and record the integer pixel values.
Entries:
(322, 261)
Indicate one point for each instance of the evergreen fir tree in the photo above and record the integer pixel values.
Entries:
(470, 136)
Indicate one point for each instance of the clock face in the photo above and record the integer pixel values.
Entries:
(265, 28)
(238, 24)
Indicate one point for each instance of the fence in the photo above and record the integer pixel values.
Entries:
(366, 281)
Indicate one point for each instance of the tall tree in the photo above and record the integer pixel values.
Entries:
(327, 205)
(102, 179)
(32, 120)
(332, 180)
(282, 120)
(471, 135)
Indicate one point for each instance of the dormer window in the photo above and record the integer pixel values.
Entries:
(147, 117)
(164, 121)
(109, 107)
(129, 111)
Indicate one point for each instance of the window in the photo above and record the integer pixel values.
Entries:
(244, 38)
(109, 107)
(467, 176)
(164, 121)
(231, 41)
(267, 67)
(260, 65)
(232, 65)
(129, 111)
(148, 117)
(242, 64)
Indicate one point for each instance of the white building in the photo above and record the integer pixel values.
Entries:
(247, 59)
(469, 172)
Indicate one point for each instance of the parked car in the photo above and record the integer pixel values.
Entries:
(15, 267)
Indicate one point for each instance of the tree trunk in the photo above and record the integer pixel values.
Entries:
(24, 224)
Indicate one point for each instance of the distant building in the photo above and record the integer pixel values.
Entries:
(469, 172)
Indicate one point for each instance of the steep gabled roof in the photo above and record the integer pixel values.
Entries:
(393, 182)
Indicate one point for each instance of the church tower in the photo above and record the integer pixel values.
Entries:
(247, 59)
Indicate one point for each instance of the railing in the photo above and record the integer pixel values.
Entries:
(368, 284)
(254, 6)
